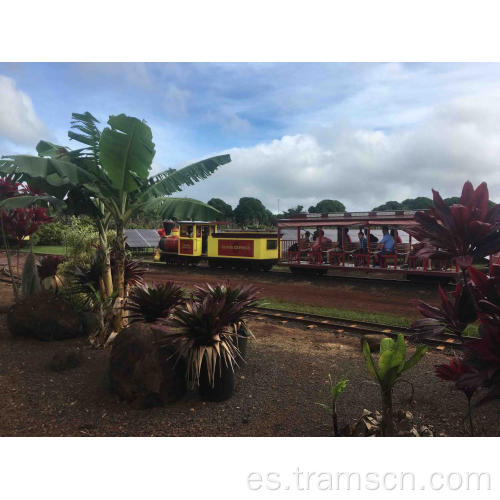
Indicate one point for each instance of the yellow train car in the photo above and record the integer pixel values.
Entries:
(190, 242)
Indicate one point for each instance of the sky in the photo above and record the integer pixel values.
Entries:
(297, 133)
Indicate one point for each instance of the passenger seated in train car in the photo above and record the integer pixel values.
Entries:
(362, 250)
(373, 238)
(386, 245)
(326, 244)
(305, 241)
(397, 239)
(363, 243)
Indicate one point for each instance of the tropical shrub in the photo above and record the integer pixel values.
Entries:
(467, 229)
(392, 363)
(52, 234)
(150, 303)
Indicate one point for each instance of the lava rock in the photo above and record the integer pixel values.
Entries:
(66, 360)
(143, 369)
(45, 316)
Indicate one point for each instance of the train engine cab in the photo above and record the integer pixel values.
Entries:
(189, 242)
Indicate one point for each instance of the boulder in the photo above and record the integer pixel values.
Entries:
(45, 316)
(143, 368)
(66, 360)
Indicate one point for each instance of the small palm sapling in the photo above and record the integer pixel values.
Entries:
(335, 390)
(392, 363)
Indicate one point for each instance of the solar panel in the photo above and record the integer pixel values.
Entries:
(142, 238)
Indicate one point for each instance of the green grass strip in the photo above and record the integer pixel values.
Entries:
(381, 318)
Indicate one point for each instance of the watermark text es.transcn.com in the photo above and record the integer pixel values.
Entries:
(301, 480)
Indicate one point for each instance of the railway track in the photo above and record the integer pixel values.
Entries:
(285, 274)
(349, 327)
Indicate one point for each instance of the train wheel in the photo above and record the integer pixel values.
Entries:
(266, 267)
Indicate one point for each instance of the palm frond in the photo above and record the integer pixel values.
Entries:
(168, 182)
(88, 134)
(180, 209)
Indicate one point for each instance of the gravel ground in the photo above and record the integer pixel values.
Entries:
(276, 392)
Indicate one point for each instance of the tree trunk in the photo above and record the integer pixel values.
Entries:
(107, 276)
(387, 417)
(120, 271)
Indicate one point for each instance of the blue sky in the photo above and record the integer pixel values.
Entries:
(362, 133)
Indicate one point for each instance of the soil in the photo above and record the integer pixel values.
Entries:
(276, 391)
(365, 296)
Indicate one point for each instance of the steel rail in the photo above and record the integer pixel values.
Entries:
(342, 325)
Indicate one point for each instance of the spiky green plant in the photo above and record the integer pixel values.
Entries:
(150, 303)
(244, 296)
(205, 336)
(391, 365)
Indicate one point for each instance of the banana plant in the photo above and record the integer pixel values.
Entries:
(335, 390)
(392, 363)
(109, 178)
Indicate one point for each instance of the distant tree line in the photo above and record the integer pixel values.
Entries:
(251, 212)
(419, 203)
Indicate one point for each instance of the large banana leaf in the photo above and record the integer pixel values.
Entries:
(126, 151)
(46, 148)
(28, 201)
(167, 182)
(181, 209)
(87, 133)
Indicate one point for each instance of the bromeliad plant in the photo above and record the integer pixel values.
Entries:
(149, 303)
(205, 337)
(392, 363)
(335, 390)
(244, 296)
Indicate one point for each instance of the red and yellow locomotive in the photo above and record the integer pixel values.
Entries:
(189, 242)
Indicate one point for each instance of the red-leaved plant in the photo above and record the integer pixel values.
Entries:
(454, 371)
(461, 233)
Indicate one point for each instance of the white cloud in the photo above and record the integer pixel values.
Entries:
(18, 121)
(363, 168)
(176, 100)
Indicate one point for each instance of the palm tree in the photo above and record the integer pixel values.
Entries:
(109, 178)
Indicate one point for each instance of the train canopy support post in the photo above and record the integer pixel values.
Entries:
(299, 249)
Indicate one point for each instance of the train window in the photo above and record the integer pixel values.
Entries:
(272, 244)
(187, 231)
(198, 231)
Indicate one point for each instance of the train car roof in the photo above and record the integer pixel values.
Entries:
(218, 222)
(393, 218)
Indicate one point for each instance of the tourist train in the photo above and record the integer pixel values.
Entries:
(309, 243)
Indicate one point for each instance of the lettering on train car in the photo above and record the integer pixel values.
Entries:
(236, 248)
(186, 246)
